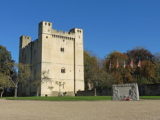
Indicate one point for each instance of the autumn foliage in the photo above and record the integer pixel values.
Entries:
(137, 65)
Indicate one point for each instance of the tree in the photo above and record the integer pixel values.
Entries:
(21, 76)
(146, 72)
(116, 64)
(115, 60)
(6, 68)
(105, 79)
(91, 70)
(95, 76)
(4, 82)
(140, 53)
(6, 62)
(157, 64)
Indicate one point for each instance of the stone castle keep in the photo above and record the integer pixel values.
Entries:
(56, 60)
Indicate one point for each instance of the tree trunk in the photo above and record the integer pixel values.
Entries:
(95, 92)
(15, 90)
(2, 92)
(37, 94)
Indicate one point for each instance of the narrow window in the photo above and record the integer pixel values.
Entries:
(63, 70)
(62, 49)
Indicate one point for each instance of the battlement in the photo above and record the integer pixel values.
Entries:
(62, 33)
(45, 23)
(24, 41)
(71, 32)
(76, 30)
(46, 28)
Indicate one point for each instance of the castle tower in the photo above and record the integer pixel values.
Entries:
(60, 56)
(79, 63)
(24, 42)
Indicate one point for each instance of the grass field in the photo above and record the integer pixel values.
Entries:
(150, 97)
(64, 98)
(76, 98)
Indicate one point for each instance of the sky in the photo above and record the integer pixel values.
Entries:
(109, 25)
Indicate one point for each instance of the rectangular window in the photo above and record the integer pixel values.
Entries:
(63, 70)
(62, 49)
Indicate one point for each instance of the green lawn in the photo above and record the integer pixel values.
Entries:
(76, 98)
(65, 98)
(150, 97)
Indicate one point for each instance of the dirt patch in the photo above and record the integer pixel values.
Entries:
(80, 110)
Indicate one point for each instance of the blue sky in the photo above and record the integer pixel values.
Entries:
(108, 25)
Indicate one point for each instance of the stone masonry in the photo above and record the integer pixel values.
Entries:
(56, 60)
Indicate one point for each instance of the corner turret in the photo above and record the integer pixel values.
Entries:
(78, 34)
(44, 28)
(24, 41)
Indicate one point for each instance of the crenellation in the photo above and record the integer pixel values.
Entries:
(62, 32)
(76, 30)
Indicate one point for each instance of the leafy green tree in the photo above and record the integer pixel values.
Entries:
(4, 83)
(11, 71)
(91, 70)
(6, 62)
(6, 68)
(95, 76)
(105, 79)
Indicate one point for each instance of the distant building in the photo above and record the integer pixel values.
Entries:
(56, 60)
